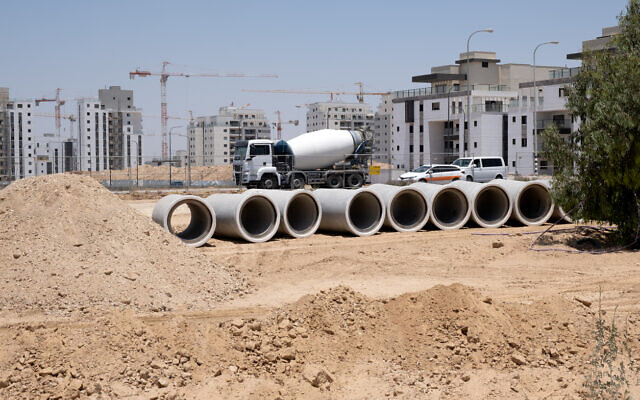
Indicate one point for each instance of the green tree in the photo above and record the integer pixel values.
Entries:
(597, 168)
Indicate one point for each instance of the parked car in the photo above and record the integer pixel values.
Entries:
(440, 173)
(415, 174)
(481, 169)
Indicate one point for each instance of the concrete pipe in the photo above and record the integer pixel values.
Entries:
(201, 225)
(450, 206)
(360, 212)
(531, 201)
(251, 216)
(491, 205)
(558, 212)
(300, 211)
(406, 208)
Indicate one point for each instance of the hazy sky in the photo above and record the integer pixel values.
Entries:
(82, 46)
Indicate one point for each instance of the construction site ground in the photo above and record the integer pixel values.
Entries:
(431, 314)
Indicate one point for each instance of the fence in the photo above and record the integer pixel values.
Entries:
(154, 174)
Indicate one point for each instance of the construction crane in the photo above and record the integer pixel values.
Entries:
(279, 124)
(359, 94)
(164, 75)
(59, 104)
(58, 117)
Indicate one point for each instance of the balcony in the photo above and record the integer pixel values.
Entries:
(564, 73)
(433, 90)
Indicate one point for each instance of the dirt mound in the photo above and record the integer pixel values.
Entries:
(446, 342)
(67, 244)
(161, 172)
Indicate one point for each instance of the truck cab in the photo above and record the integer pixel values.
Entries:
(253, 164)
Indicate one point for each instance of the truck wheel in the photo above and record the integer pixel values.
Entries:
(355, 180)
(268, 182)
(334, 181)
(297, 182)
(469, 178)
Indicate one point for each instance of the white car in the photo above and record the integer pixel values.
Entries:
(438, 173)
(415, 174)
(481, 169)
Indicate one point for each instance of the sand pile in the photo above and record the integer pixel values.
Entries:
(67, 244)
(336, 344)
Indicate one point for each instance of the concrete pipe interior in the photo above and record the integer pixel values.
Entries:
(491, 205)
(534, 203)
(302, 213)
(258, 217)
(408, 209)
(450, 207)
(365, 212)
(190, 220)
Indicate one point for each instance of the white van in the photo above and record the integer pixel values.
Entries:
(481, 169)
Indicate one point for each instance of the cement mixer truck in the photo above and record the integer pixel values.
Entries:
(328, 157)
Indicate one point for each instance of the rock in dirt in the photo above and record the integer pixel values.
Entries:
(584, 302)
(497, 245)
(518, 359)
(316, 375)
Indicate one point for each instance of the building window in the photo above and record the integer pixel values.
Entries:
(435, 106)
(397, 129)
(562, 92)
(410, 148)
(410, 128)
(513, 163)
(485, 64)
(513, 142)
(421, 107)
(524, 120)
(475, 123)
(397, 148)
(421, 148)
(475, 145)
(524, 142)
(421, 128)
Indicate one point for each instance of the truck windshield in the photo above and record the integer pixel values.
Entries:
(462, 162)
(241, 152)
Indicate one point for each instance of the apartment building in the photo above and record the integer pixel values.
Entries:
(54, 156)
(383, 129)
(93, 136)
(339, 115)
(430, 123)
(125, 127)
(212, 139)
(17, 144)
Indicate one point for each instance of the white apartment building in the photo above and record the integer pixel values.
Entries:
(93, 136)
(17, 146)
(429, 123)
(339, 115)
(212, 139)
(383, 129)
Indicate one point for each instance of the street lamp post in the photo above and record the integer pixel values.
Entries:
(170, 156)
(461, 135)
(535, 105)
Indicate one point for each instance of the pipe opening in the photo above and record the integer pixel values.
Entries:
(190, 220)
(492, 205)
(534, 203)
(365, 212)
(302, 213)
(450, 207)
(408, 209)
(258, 217)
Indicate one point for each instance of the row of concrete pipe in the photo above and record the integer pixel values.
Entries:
(257, 215)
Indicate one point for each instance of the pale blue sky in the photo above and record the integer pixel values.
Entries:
(81, 46)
